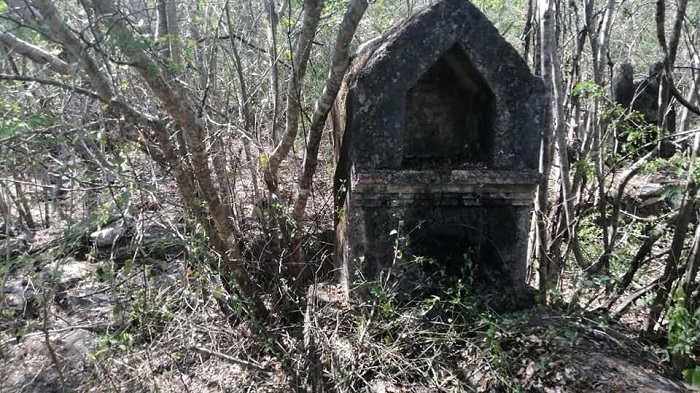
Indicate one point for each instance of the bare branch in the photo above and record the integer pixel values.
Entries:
(231, 359)
(22, 9)
(339, 65)
(74, 46)
(312, 16)
(238, 37)
(50, 82)
(677, 94)
(660, 25)
(677, 29)
(34, 53)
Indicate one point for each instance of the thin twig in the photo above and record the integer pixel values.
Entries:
(50, 82)
(231, 359)
(94, 327)
(49, 347)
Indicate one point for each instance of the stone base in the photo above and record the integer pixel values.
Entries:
(478, 232)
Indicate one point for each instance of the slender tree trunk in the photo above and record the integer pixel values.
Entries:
(693, 265)
(666, 115)
(309, 25)
(162, 25)
(339, 64)
(603, 39)
(273, 22)
(244, 111)
(691, 274)
(673, 260)
(546, 21)
(528, 36)
(174, 35)
(600, 44)
(692, 96)
(687, 208)
(559, 118)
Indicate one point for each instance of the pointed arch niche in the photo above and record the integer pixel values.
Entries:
(449, 116)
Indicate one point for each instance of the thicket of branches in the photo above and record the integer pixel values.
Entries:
(591, 175)
(110, 102)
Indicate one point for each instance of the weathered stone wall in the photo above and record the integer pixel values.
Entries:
(437, 127)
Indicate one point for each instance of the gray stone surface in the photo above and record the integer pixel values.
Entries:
(66, 273)
(110, 234)
(437, 135)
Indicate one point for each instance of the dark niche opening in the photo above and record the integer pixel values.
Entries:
(449, 116)
(462, 242)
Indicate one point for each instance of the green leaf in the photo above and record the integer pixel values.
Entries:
(587, 87)
(679, 295)
(257, 213)
(128, 266)
(692, 375)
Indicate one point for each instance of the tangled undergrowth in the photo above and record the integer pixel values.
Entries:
(156, 324)
(367, 348)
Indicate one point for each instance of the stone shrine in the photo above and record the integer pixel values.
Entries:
(437, 132)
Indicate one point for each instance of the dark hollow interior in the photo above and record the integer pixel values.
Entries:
(463, 242)
(467, 241)
(449, 117)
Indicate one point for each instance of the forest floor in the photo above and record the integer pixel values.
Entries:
(78, 323)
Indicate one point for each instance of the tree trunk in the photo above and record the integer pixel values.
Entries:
(687, 208)
(339, 64)
(244, 111)
(222, 236)
(546, 21)
(309, 25)
(273, 22)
